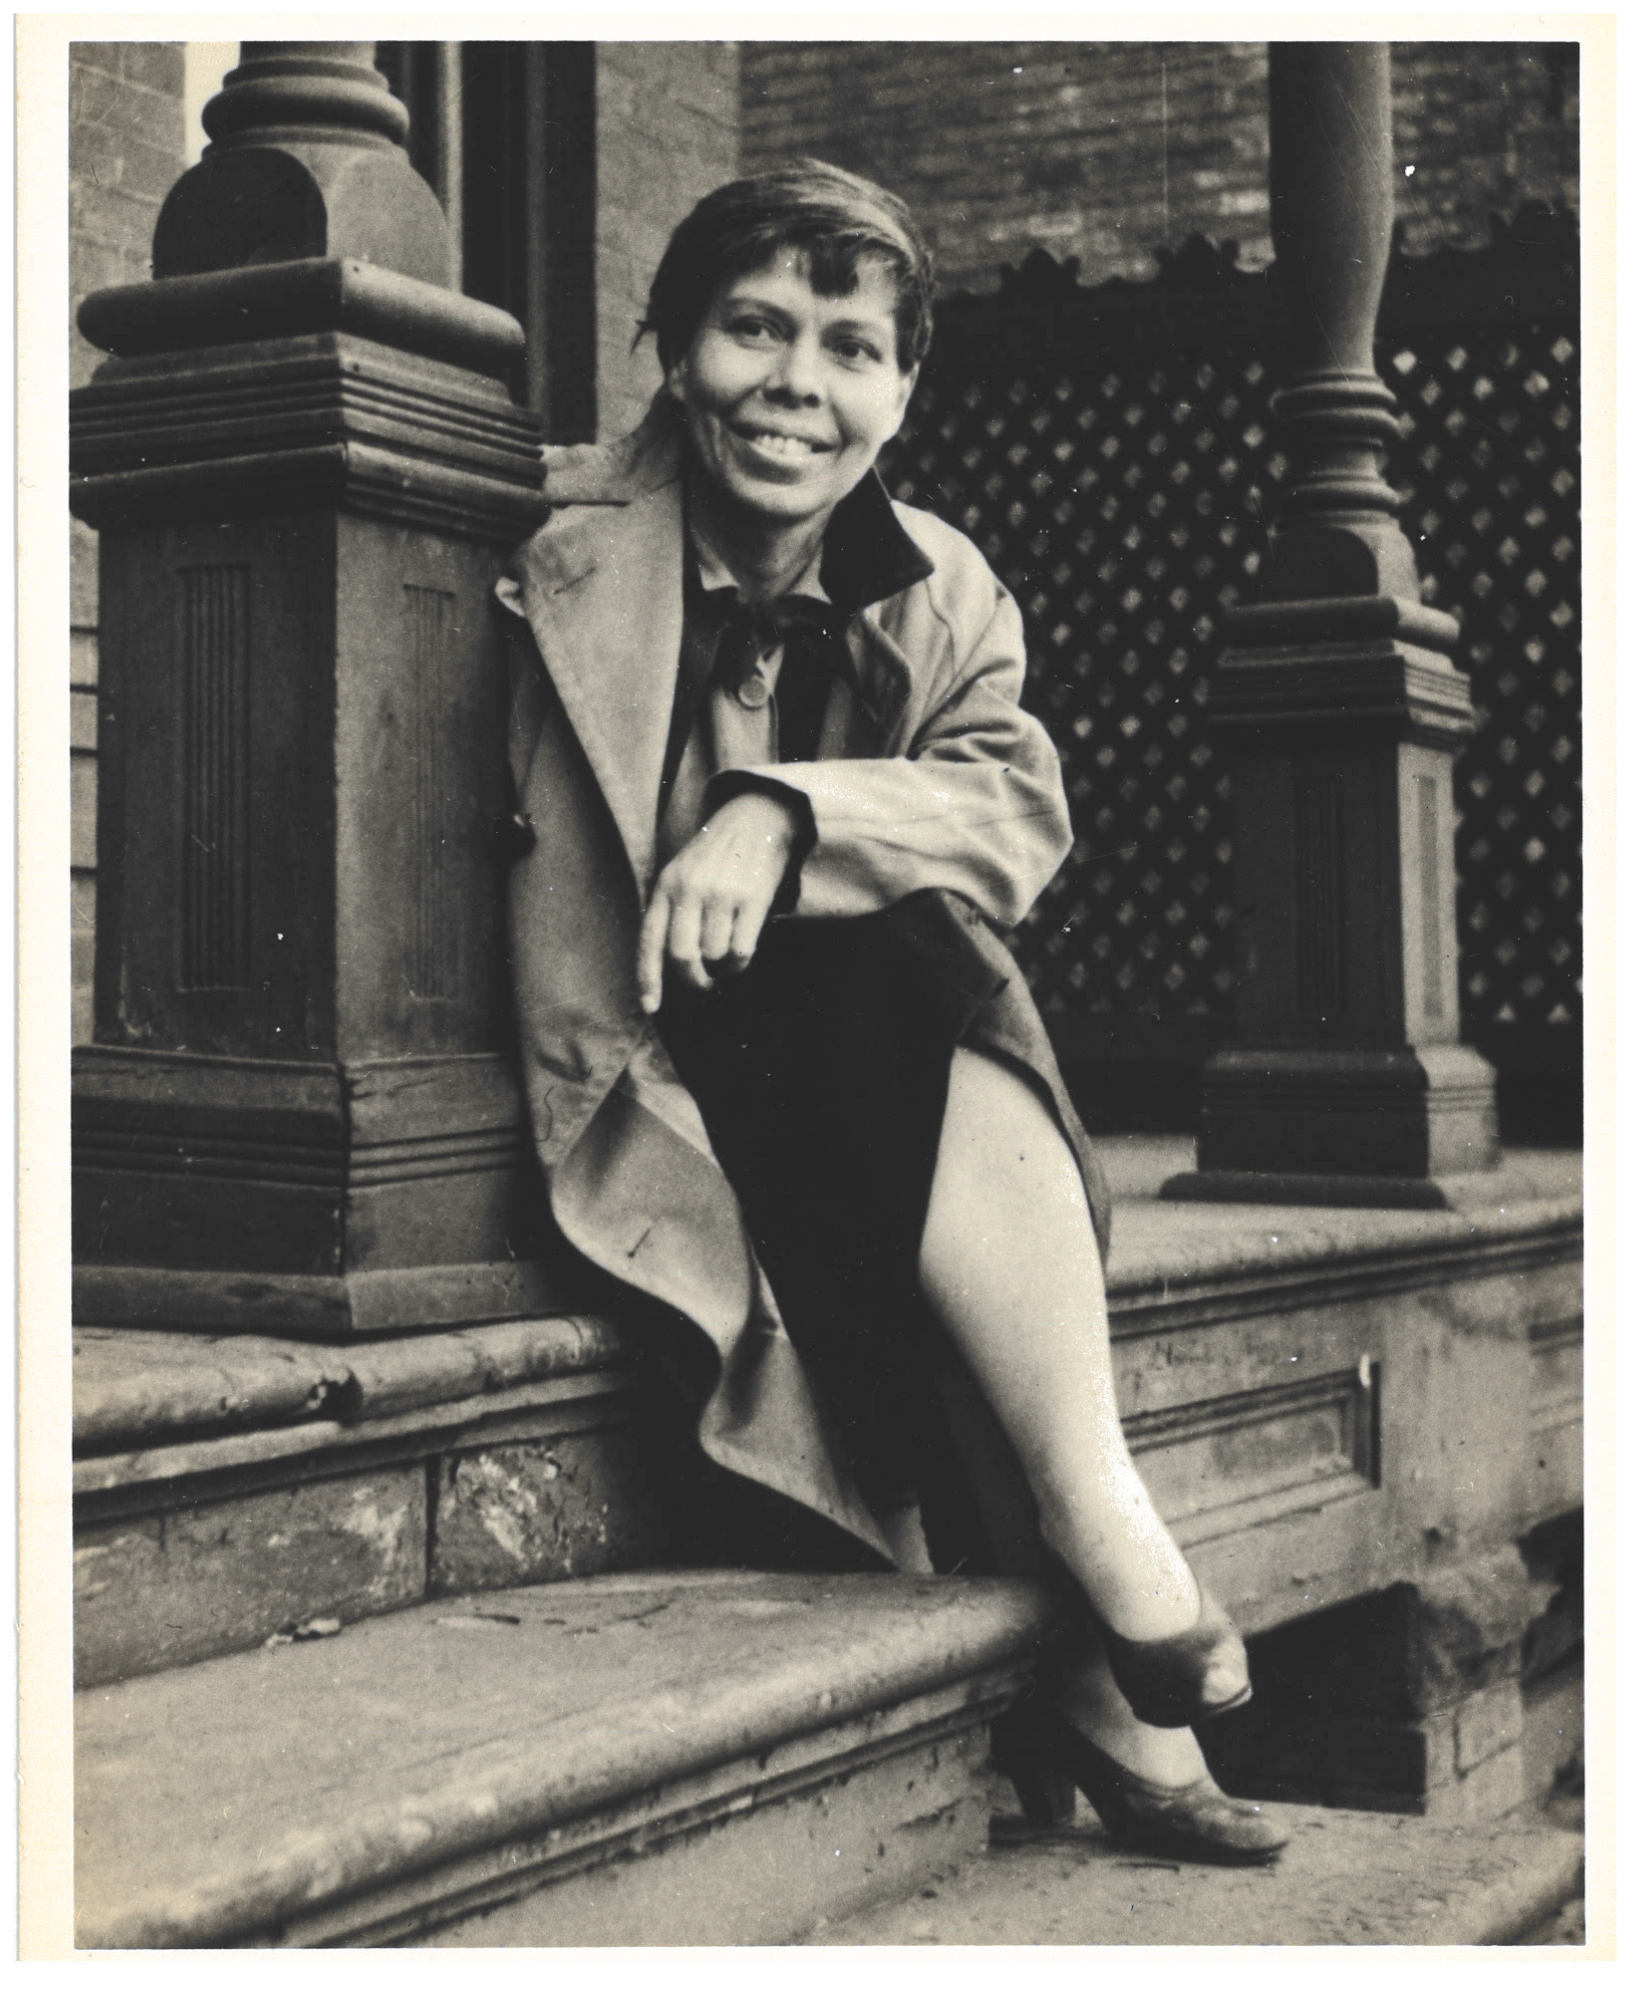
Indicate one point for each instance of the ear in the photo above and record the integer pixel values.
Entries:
(674, 380)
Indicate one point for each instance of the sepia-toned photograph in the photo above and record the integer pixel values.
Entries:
(828, 1073)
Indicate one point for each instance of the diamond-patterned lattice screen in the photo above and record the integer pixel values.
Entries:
(1125, 503)
(1490, 460)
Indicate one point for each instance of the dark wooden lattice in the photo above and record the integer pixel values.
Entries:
(1113, 454)
(1490, 460)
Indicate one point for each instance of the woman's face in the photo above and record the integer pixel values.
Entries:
(789, 394)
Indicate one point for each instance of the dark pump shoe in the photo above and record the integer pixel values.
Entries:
(1186, 1823)
(1195, 1822)
(1190, 1677)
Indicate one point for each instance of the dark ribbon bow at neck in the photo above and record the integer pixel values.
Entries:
(724, 639)
(806, 631)
(772, 624)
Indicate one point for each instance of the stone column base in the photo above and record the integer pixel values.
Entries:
(1363, 1128)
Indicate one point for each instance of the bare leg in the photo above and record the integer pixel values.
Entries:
(1010, 1265)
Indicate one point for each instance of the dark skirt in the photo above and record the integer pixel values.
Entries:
(821, 1074)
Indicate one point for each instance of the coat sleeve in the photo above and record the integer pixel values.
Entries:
(974, 804)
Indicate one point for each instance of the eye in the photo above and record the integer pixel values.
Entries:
(857, 350)
(750, 328)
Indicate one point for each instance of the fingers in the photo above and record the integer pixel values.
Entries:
(717, 924)
(652, 944)
(671, 932)
(743, 939)
(711, 900)
(684, 946)
(692, 940)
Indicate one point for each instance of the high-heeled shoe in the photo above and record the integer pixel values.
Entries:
(1191, 1823)
(1189, 1677)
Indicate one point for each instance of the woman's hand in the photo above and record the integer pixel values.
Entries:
(712, 897)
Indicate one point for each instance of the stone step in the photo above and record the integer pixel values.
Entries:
(1345, 1879)
(229, 1488)
(695, 1757)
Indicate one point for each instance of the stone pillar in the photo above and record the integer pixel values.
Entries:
(1339, 708)
(299, 1112)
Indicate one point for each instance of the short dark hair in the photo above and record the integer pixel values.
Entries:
(835, 218)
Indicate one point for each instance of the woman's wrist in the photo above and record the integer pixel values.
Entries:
(771, 813)
(798, 824)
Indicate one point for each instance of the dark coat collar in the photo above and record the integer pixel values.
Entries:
(868, 556)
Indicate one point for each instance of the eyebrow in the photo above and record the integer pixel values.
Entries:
(735, 303)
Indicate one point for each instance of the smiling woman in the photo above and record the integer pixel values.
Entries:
(786, 1081)
(789, 395)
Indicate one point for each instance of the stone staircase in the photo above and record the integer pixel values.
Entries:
(636, 1759)
(395, 1642)
(379, 1644)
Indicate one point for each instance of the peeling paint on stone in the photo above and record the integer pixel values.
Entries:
(377, 1521)
(544, 1511)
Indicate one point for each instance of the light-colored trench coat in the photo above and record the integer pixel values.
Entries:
(936, 779)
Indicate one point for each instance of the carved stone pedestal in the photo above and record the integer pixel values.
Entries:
(1348, 1083)
(1340, 709)
(299, 1111)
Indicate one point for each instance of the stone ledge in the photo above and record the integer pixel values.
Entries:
(1533, 1199)
(217, 1803)
(833, 1821)
(226, 1465)
(139, 1388)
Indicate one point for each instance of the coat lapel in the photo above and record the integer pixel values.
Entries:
(603, 592)
(602, 589)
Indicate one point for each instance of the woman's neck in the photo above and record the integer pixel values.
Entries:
(766, 557)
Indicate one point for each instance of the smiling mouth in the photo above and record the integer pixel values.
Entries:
(786, 447)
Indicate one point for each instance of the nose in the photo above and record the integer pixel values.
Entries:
(794, 373)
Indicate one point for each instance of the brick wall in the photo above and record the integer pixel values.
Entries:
(125, 150)
(1104, 150)
(1485, 126)
(668, 131)
(1098, 150)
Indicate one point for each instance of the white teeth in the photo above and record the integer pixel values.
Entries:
(789, 445)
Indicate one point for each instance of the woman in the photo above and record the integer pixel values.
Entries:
(784, 1079)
